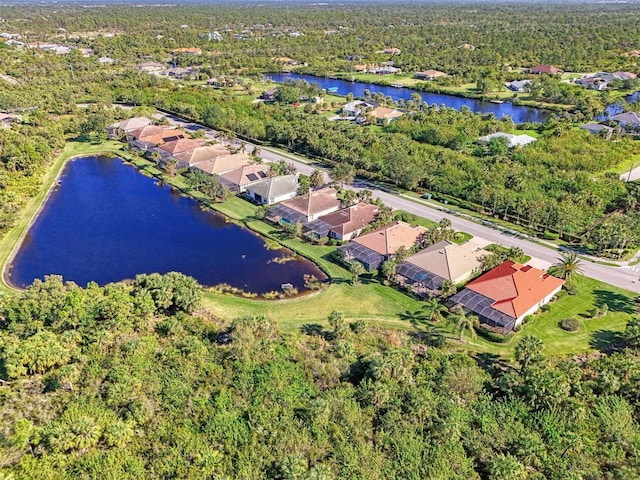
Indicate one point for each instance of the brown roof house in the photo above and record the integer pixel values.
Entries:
(504, 296)
(240, 178)
(146, 138)
(305, 208)
(6, 119)
(203, 153)
(539, 69)
(114, 130)
(383, 115)
(151, 67)
(373, 248)
(425, 271)
(344, 224)
(273, 189)
(168, 150)
(429, 75)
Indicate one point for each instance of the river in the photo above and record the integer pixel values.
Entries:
(518, 113)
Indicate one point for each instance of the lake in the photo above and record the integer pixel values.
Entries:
(518, 113)
(106, 222)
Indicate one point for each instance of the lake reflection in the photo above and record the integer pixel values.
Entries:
(106, 222)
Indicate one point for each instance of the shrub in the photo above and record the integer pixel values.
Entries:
(545, 308)
(571, 289)
(570, 325)
(492, 336)
(547, 235)
(560, 294)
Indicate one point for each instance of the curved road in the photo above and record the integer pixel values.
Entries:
(542, 255)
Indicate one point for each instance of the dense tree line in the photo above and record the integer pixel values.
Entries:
(134, 380)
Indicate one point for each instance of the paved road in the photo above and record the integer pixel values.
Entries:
(542, 256)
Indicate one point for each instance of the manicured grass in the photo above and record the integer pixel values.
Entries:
(72, 149)
(594, 334)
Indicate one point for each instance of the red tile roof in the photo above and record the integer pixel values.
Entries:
(544, 69)
(515, 288)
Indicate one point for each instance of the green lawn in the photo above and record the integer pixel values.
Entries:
(594, 333)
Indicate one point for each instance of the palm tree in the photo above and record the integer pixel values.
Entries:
(434, 310)
(464, 322)
(568, 266)
(316, 178)
(447, 288)
(529, 351)
(356, 270)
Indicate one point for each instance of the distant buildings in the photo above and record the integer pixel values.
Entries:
(548, 69)
(512, 140)
(429, 75)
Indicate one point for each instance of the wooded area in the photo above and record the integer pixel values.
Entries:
(134, 381)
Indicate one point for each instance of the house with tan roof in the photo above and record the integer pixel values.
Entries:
(392, 51)
(189, 50)
(127, 126)
(151, 67)
(240, 178)
(223, 163)
(343, 224)
(429, 75)
(203, 153)
(425, 271)
(383, 115)
(273, 189)
(504, 296)
(373, 248)
(6, 119)
(181, 145)
(305, 208)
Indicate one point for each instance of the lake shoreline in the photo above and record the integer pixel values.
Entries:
(12, 243)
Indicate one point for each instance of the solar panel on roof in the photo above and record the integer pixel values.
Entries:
(262, 174)
(252, 176)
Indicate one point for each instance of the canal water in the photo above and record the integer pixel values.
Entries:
(518, 113)
(106, 222)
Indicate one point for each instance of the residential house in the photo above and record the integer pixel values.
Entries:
(425, 271)
(106, 60)
(170, 149)
(273, 189)
(180, 73)
(385, 70)
(224, 163)
(627, 120)
(240, 178)
(151, 136)
(512, 140)
(289, 62)
(270, 95)
(150, 67)
(344, 224)
(467, 46)
(540, 69)
(305, 208)
(597, 129)
(429, 75)
(6, 119)
(383, 115)
(215, 36)
(504, 296)
(392, 51)
(115, 130)
(374, 248)
(363, 67)
(355, 108)
(519, 86)
(593, 83)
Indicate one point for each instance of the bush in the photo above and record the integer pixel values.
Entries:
(560, 294)
(492, 336)
(570, 325)
(547, 235)
(571, 289)
(545, 308)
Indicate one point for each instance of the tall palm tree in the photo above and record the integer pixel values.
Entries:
(434, 310)
(568, 266)
(464, 322)
(356, 270)
(316, 178)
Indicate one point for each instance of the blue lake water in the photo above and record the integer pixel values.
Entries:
(519, 114)
(106, 222)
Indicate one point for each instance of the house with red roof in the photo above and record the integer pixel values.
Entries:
(504, 296)
(305, 208)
